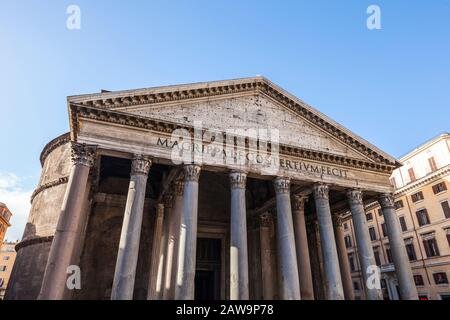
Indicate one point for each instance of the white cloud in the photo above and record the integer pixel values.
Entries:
(17, 199)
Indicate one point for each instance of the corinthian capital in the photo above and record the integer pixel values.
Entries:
(386, 200)
(83, 154)
(337, 220)
(238, 179)
(355, 197)
(140, 165)
(299, 202)
(321, 191)
(191, 172)
(282, 185)
(178, 187)
(168, 200)
(265, 219)
(160, 210)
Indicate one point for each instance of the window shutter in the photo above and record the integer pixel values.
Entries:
(446, 209)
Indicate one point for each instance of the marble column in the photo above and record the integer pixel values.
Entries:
(127, 257)
(366, 256)
(152, 290)
(333, 282)
(403, 271)
(184, 289)
(289, 285)
(177, 213)
(344, 265)
(163, 254)
(265, 225)
(238, 238)
(70, 223)
(170, 248)
(301, 246)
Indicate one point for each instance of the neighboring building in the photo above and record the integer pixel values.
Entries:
(422, 202)
(186, 173)
(7, 258)
(5, 217)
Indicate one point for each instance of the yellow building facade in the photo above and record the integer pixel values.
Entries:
(5, 216)
(422, 201)
(7, 258)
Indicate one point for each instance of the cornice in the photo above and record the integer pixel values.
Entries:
(31, 241)
(50, 184)
(167, 127)
(52, 145)
(423, 181)
(442, 172)
(123, 99)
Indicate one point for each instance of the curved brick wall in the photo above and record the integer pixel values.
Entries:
(32, 251)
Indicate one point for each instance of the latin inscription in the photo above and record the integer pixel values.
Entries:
(216, 154)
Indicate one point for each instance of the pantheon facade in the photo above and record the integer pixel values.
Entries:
(218, 190)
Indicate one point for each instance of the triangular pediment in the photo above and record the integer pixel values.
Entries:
(253, 103)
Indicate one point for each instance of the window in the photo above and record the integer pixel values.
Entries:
(432, 164)
(373, 235)
(398, 204)
(393, 182)
(422, 217)
(402, 223)
(418, 280)
(389, 255)
(345, 226)
(431, 248)
(440, 187)
(384, 229)
(376, 253)
(412, 175)
(417, 196)
(411, 251)
(380, 212)
(348, 241)
(446, 208)
(440, 278)
(351, 262)
(2, 268)
(369, 217)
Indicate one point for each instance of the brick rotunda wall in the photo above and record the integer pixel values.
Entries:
(46, 200)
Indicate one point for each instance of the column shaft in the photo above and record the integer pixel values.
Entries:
(408, 290)
(161, 289)
(188, 236)
(177, 214)
(170, 249)
(370, 271)
(125, 272)
(266, 256)
(344, 265)
(301, 245)
(289, 285)
(152, 292)
(70, 223)
(333, 282)
(238, 238)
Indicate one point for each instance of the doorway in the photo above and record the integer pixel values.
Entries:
(208, 269)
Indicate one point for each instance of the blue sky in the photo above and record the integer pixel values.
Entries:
(390, 86)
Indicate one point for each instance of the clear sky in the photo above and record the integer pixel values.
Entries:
(390, 86)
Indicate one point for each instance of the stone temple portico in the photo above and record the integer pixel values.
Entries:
(219, 190)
